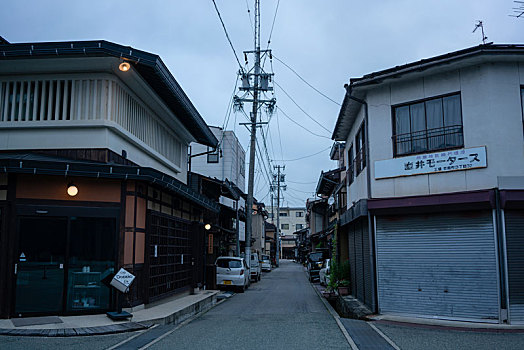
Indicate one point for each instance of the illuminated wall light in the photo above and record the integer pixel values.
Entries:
(124, 66)
(72, 190)
(207, 227)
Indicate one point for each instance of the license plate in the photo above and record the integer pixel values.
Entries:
(227, 282)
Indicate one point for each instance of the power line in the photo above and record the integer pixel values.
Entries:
(302, 183)
(302, 109)
(311, 155)
(249, 15)
(227, 36)
(271, 31)
(308, 84)
(302, 126)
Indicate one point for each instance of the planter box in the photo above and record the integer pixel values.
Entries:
(342, 291)
(329, 295)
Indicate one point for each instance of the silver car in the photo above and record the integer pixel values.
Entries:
(232, 272)
(266, 263)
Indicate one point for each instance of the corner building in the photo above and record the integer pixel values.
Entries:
(435, 186)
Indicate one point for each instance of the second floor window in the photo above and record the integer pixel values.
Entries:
(213, 156)
(360, 149)
(425, 126)
(351, 166)
(299, 214)
(283, 214)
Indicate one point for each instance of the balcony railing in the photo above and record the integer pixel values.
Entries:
(428, 140)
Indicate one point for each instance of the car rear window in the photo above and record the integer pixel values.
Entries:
(265, 257)
(315, 256)
(229, 263)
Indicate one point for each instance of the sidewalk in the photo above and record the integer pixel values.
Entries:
(171, 311)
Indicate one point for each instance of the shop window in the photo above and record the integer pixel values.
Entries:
(213, 156)
(429, 125)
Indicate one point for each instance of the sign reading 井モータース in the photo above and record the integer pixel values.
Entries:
(428, 163)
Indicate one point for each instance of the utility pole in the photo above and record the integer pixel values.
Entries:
(279, 178)
(260, 83)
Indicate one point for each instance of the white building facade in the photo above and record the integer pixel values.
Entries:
(292, 219)
(435, 185)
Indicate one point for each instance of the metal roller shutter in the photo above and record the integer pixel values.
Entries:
(359, 268)
(515, 256)
(438, 265)
(368, 290)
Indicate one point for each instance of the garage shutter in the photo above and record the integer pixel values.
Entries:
(438, 265)
(515, 255)
(359, 259)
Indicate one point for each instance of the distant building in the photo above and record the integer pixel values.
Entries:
(226, 163)
(291, 218)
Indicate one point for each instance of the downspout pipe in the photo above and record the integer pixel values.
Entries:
(371, 233)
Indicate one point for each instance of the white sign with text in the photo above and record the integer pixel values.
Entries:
(122, 280)
(429, 163)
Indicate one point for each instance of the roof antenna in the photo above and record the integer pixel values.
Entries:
(518, 10)
(481, 26)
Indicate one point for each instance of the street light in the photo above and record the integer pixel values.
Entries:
(124, 66)
(207, 227)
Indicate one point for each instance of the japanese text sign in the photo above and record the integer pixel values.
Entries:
(429, 163)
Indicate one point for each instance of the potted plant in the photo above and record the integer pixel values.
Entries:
(343, 287)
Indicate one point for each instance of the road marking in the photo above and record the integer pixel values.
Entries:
(337, 319)
(131, 338)
(386, 338)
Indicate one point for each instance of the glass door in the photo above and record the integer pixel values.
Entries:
(40, 265)
(91, 260)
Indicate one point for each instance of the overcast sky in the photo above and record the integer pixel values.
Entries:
(326, 42)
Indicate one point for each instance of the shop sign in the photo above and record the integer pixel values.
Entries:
(123, 280)
(429, 163)
(210, 243)
(242, 231)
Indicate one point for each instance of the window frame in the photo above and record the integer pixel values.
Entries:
(211, 155)
(424, 100)
(299, 214)
(351, 165)
(284, 228)
(360, 153)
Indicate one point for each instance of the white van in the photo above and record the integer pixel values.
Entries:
(256, 269)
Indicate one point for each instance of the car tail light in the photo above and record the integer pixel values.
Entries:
(241, 272)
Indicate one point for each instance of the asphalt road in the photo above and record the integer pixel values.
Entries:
(282, 311)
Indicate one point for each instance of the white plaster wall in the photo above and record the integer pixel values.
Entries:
(358, 189)
(89, 135)
(492, 117)
(228, 166)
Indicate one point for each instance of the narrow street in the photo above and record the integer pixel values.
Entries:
(281, 311)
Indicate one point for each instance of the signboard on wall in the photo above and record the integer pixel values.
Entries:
(242, 230)
(430, 163)
(210, 243)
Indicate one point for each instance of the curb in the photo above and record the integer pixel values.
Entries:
(175, 318)
(76, 332)
(336, 317)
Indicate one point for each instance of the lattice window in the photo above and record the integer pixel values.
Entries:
(170, 252)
